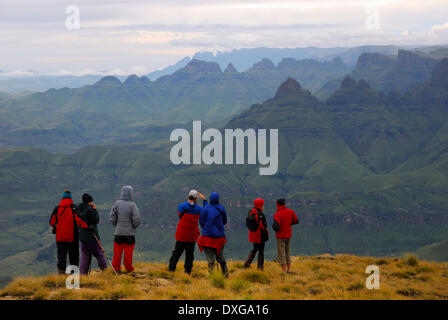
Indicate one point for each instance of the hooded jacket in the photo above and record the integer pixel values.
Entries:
(285, 218)
(262, 234)
(124, 214)
(91, 217)
(65, 219)
(187, 228)
(213, 218)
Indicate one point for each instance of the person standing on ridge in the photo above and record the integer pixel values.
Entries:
(65, 221)
(89, 244)
(187, 231)
(125, 217)
(212, 220)
(258, 235)
(284, 218)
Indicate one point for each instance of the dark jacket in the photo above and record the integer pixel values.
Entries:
(91, 217)
(187, 228)
(213, 218)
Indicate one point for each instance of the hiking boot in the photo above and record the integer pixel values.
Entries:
(61, 271)
(249, 259)
(211, 267)
(260, 262)
(224, 269)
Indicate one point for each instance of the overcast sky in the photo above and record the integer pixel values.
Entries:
(141, 36)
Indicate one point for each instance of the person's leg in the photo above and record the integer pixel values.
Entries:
(288, 256)
(210, 254)
(189, 256)
(222, 262)
(128, 253)
(98, 253)
(177, 252)
(73, 252)
(261, 256)
(86, 258)
(62, 251)
(116, 260)
(251, 256)
(281, 254)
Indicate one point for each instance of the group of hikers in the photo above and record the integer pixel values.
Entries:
(73, 224)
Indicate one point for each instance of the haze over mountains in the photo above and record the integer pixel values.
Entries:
(242, 59)
(367, 171)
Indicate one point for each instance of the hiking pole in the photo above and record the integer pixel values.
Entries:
(105, 255)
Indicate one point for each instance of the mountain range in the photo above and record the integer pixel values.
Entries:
(366, 171)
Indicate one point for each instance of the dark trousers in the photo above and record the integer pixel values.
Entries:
(177, 252)
(89, 249)
(258, 247)
(67, 248)
(211, 254)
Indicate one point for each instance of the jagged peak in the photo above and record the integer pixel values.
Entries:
(108, 80)
(264, 64)
(131, 79)
(199, 66)
(134, 79)
(288, 87)
(348, 82)
(230, 69)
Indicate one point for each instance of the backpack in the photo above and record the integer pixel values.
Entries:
(251, 222)
(55, 213)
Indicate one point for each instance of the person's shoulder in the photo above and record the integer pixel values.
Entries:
(182, 205)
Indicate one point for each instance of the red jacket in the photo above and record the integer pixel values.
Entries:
(65, 228)
(187, 229)
(209, 242)
(285, 218)
(255, 237)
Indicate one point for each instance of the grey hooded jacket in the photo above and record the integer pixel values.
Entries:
(124, 214)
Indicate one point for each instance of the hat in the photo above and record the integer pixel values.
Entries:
(67, 194)
(87, 198)
(281, 202)
(193, 194)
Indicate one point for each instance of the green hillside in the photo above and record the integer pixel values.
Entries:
(67, 119)
(365, 172)
(434, 252)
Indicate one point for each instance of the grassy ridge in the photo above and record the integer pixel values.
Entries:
(312, 277)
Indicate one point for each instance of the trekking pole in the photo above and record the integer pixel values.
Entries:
(105, 255)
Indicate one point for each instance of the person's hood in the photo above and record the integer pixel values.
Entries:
(127, 193)
(66, 202)
(214, 198)
(259, 203)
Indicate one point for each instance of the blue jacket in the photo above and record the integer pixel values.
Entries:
(213, 218)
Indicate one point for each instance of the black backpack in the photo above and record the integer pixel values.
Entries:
(251, 222)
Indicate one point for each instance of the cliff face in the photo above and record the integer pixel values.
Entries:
(388, 73)
(411, 61)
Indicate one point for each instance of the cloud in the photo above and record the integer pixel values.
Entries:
(118, 35)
